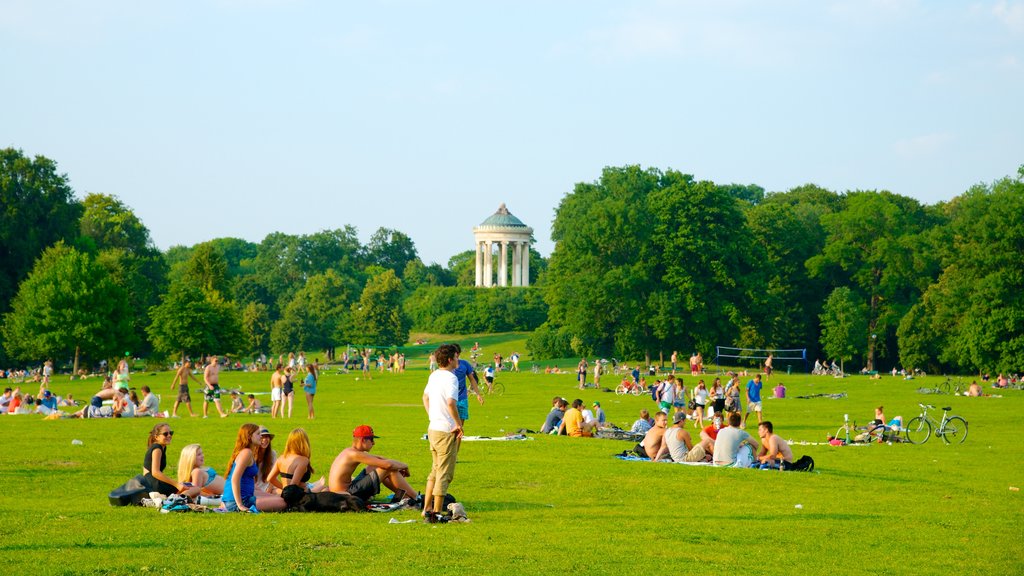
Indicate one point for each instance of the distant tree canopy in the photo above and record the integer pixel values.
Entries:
(646, 261)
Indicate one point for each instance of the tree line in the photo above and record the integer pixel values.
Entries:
(645, 262)
(649, 261)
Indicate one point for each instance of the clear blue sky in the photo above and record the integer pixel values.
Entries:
(240, 118)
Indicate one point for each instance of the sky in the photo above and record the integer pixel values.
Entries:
(241, 118)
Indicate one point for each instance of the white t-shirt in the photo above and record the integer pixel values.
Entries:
(588, 416)
(442, 386)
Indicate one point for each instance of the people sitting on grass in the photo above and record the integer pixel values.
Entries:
(293, 467)
(237, 407)
(573, 424)
(5, 399)
(729, 442)
(676, 441)
(775, 451)
(780, 390)
(643, 424)
(155, 462)
(377, 470)
(198, 478)
(243, 469)
(974, 389)
(649, 446)
(150, 405)
(554, 419)
(599, 415)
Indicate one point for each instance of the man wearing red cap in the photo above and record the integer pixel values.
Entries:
(440, 399)
(379, 470)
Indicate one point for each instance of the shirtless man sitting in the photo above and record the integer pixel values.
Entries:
(773, 448)
(378, 470)
(676, 442)
(651, 443)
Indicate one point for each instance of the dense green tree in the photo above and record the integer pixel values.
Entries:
(190, 321)
(123, 246)
(972, 317)
(256, 325)
(873, 248)
(788, 231)
(416, 274)
(207, 269)
(317, 315)
(378, 318)
(462, 310)
(67, 304)
(37, 209)
(843, 321)
(391, 249)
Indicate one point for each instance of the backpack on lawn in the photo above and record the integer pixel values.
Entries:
(804, 464)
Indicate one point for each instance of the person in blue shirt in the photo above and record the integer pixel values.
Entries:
(753, 399)
(465, 372)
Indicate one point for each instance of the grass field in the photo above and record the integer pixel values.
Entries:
(545, 506)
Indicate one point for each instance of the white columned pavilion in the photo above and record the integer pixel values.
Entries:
(513, 239)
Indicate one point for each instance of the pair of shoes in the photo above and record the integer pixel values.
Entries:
(149, 503)
(435, 518)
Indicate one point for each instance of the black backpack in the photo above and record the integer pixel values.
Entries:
(804, 464)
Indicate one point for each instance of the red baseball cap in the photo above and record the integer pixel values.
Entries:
(363, 431)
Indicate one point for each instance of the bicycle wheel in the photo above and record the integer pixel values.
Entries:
(620, 390)
(498, 388)
(954, 431)
(879, 433)
(919, 430)
(637, 390)
(943, 387)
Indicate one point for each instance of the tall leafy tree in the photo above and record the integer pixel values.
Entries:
(256, 325)
(872, 247)
(843, 321)
(68, 305)
(316, 317)
(378, 318)
(207, 269)
(125, 249)
(191, 321)
(37, 209)
(972, 317)
(391, 249)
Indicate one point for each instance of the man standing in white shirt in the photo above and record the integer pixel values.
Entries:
(444, 431)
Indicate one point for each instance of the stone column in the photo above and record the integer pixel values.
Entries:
(479, 261)
(488, 273)
(503, 264)
(526, 264)
(517, 270)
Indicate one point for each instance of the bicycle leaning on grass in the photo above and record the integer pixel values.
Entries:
(952, 429)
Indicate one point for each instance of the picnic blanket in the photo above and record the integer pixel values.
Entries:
(631, 458)
(836, 396)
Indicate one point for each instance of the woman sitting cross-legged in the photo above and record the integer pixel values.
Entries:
(240, 484)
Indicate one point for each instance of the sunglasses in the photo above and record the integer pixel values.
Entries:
(169, 433)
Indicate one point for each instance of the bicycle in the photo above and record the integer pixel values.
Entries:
(496, 387)
(873, 432)
(950, 428)
(628, 387)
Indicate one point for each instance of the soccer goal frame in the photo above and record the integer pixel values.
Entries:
(760, 354)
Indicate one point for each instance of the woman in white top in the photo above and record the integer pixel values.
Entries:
(700, 398)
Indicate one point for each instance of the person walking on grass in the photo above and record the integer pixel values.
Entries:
(211, 377)
(181, 378)
(753, 399)
(464, 374)
(440, 401)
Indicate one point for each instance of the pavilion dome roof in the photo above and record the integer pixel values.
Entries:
(503, 218)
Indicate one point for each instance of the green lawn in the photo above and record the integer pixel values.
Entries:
(549, 505)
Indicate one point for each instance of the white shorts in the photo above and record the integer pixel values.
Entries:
(753, 407)
(275, 394)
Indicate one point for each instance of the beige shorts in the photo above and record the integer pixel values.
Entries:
(754, 407)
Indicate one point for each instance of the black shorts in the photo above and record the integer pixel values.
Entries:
(365, 485)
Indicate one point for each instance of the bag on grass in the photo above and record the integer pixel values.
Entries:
(804, 464)
(130, 493)
(298, 500)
